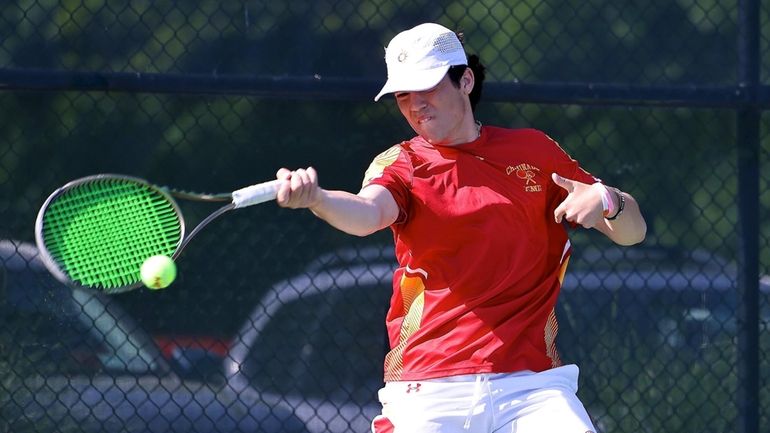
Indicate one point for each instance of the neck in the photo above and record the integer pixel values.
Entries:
(471, 133)
(467, 134)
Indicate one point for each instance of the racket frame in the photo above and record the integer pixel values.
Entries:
(53, 266)
(244, 197)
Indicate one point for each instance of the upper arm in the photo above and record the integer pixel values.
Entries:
(383, 201)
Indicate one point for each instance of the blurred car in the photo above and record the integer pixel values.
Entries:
(316, 341)
(684, 300)
(74, 361)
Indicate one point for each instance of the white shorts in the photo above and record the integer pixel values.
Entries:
(522, 402)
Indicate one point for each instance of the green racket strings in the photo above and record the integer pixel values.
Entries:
(101, 231)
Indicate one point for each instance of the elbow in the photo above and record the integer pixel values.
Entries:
(634, 237)
(363, 230)
(366, 230)
(379, 219)
(361, 233)
(630, 241)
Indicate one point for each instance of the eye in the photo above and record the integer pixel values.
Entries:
(401, 95)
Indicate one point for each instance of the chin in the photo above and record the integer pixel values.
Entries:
(430, 137)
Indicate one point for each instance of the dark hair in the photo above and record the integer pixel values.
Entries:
(456, 72)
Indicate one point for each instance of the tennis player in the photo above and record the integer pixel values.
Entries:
(480, 216)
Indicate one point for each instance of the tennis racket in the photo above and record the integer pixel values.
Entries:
(95, 232)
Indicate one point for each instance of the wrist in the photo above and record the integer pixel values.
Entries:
(317, 201)
(608, 203)
(621, 205)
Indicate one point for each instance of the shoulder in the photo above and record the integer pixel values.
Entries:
(527, 140)
(407, 147)
(394, 160)
(523, 134)
(389, 155)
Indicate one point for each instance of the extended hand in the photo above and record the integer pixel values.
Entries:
(300, 190)
(583, 204)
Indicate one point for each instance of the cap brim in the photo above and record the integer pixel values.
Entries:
(414, 81)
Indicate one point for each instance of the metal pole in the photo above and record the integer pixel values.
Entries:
(748, 124)
(361, 89)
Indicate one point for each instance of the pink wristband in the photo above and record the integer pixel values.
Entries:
(607, 204)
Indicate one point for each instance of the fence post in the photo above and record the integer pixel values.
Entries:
(748, 124)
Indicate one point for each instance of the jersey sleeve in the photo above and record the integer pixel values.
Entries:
(565, 166)
(392, 169)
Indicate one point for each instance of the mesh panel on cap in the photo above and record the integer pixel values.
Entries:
(447, 43)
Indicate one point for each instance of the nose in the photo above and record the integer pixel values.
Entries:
(417, 101)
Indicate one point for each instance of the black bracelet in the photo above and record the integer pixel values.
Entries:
(621, 205)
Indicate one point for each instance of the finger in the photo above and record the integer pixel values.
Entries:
(312, 174)
(283, 173)
(303, 188)
(563, 182)
(559, 212)
(313, 178)
(303, 174)
(581, 220)
(311, 181)
(283, 195)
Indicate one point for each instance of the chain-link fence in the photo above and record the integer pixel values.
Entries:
(276, 321)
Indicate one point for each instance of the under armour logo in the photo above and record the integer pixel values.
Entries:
(413, 387)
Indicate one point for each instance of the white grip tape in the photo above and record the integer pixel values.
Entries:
(256, 194)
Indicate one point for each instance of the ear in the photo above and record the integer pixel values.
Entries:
(467, 81)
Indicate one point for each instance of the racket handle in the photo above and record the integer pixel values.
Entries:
(256, 194)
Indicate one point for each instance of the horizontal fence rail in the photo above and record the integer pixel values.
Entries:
(346, 88)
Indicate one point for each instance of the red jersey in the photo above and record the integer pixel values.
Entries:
(480, 256)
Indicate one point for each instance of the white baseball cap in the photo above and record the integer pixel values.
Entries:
(418, 58)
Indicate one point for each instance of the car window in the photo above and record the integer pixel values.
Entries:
(662, 297)
(330, 345)
(59, 330)
(321, 333)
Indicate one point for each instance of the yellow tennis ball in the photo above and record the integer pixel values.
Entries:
(158, 272)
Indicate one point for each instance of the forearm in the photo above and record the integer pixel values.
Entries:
(614, 213)
(354, 214)
(372, 209)
(629, 227)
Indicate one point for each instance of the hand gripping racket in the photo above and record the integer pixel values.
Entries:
(96, 231)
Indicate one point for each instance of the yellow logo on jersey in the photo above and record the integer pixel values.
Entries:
(526, 173)
(380, 163)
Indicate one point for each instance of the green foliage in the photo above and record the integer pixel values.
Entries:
(679, 163)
